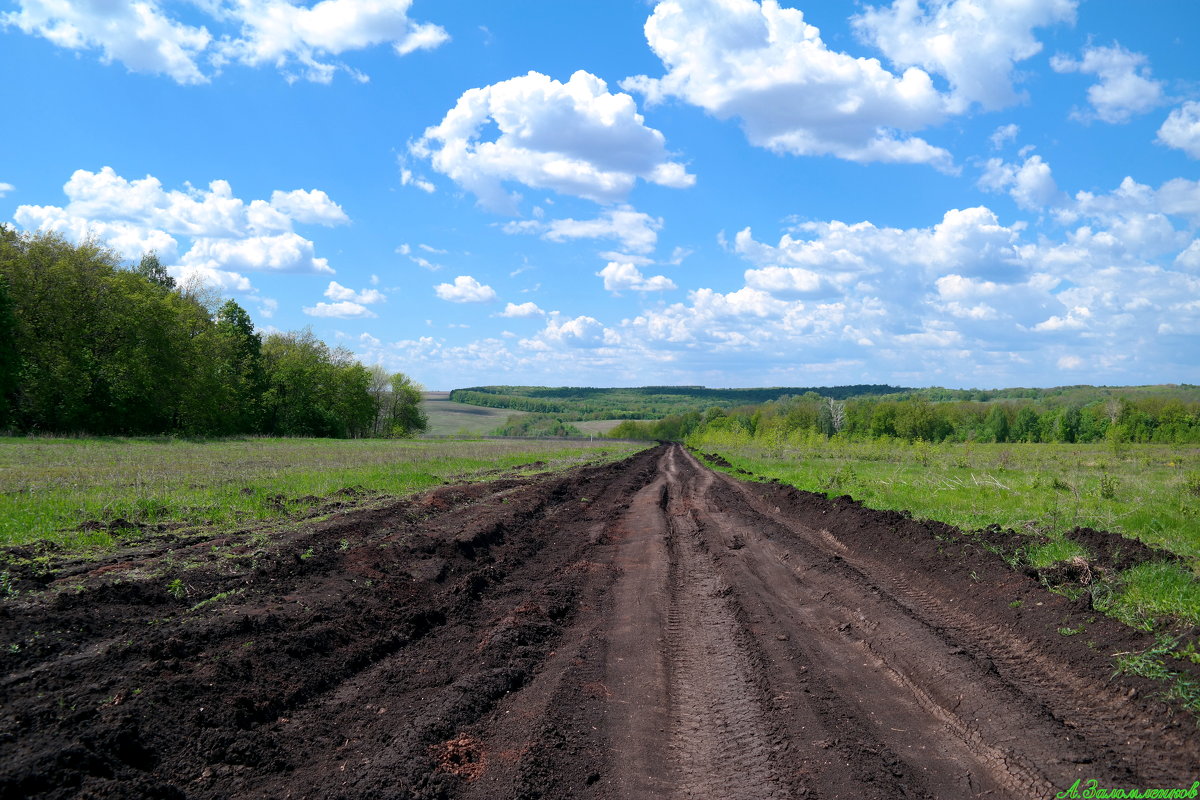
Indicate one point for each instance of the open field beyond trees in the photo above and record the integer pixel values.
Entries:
(448, 418)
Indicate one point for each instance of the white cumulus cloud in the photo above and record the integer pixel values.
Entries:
(1181, 129)
(768, 67)
(194, 231)
(297, 39)
(137, 34)
(575, 138)
(336, 291)
(343, 310)
(522, 310)
(637, 232)
(620, 277)
(465, 289)
(300, 39)
(974, 44)
(1125, 88)
(311, 207)
(5, 188)
(1030, 184)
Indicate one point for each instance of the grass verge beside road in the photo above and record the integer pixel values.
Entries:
(72, 491)
(1145, 492)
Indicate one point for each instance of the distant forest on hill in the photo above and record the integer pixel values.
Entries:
(574, 403)
(1164, 413)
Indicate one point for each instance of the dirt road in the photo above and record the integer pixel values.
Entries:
(637, 630)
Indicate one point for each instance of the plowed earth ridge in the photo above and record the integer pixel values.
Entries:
(642, 629)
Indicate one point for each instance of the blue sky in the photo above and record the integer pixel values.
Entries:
(970, 193)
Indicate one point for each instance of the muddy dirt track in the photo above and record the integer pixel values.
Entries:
(643, 629)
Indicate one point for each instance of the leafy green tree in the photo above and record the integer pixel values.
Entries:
(239, 350)
(1025, 426)
(995, 427)
(10, 359)
(152, 270)
(404, 413)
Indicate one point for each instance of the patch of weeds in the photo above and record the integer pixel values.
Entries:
(1059, 485)
(1108, 486)
(840, 480)
(1149, 663)
(6, 585)
(176, 589)
(1187, 653)
(1054, 552)
(1066, 630)
(1016, 603)
(1156, 591)
(1191, 484)
(216, 598)
(344, 544)
(307, 554)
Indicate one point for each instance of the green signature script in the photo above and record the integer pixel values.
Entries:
(1091, 788)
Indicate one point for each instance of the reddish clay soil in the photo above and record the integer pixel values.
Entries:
(643, 629)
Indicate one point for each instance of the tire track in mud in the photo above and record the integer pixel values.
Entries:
(640, 630)
(721, 739)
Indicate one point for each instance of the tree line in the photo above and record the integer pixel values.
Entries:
(90, 346)
(1141, 418)
(643, 402)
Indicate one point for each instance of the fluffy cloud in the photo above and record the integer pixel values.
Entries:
(1003, 134)
(312, 207)
(5, 188)
(974, 44)
(522, 310)
(765, 65)
(636, 232)
(336, 291)
(226, 235)
(300, 39)
(785, 281)
(465, 289)
(575, 138)
(138, 34)
(342, 310)
(1030, 184)
(1125, 86)
(1181, 129)
(620, 277)
(286, 252)
(577, 332)
(296, 39)
(968, 241)
(968, 299)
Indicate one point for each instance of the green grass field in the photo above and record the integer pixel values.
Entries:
(49, 487)
(1146, 492)
(447, 418)
(598, 427)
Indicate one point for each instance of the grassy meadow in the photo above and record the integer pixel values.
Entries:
(448, 418)
(51, 487)
(1145, 492)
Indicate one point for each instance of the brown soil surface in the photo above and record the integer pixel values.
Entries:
(643, 629)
